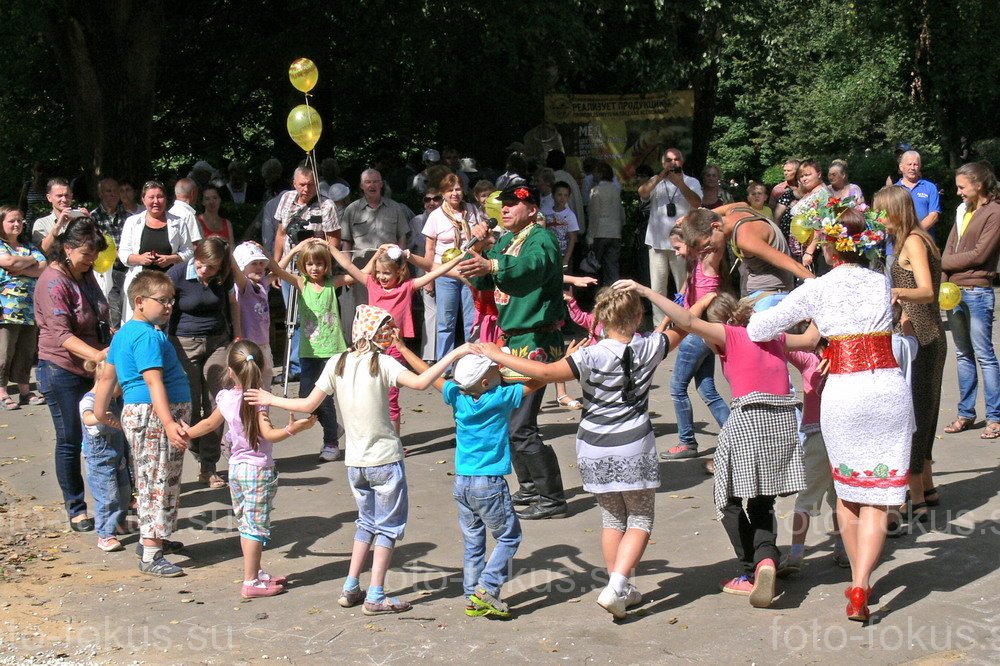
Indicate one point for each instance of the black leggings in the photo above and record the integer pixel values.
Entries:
(753, 532)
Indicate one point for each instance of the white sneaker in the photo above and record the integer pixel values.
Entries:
(633, 597)
(330, 453)
(612, 602)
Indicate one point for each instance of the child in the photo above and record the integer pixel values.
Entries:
(758, 456)
(104, 448)
(319, 321)
(482, 405)
(390, 287)
(564, 223)
(615, 445)
(157, 399)
(251, 295)
(374, 453)
(253, 480)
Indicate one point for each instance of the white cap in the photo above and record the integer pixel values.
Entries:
(431, 155)
(469, 165)
(339, 191)
(470, 370)
(247, 252)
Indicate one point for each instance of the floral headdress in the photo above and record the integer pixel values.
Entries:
(822, 216)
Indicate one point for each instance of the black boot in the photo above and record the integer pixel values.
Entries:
(551, 503)
(526, 493)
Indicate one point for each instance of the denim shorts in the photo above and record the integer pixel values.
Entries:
(383, 505)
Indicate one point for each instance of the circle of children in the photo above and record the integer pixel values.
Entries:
(836, 327)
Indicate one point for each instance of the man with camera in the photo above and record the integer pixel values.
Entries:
(671, 195)
(45, 229)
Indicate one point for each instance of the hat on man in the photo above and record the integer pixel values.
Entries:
(431, 156)
(246, 253)
(519, 193)
(470, 370)
(469, 165)
(339, 191)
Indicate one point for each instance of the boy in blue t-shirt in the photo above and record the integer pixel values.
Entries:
(482, 406)
(157, 400)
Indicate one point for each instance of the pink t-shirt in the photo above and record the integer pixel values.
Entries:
(229, 401)
(397, 301)
(700, 285)
(754, 366)
(807, 363)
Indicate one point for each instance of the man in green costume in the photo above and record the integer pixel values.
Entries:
(525, 271)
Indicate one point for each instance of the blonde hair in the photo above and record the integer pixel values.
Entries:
(727, 309)
(897, 203)
(398, 265)
(245, 360)
(314, 253)
(619, 311)
(147, 283)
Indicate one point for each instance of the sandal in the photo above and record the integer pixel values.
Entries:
(960, 424)
(992, 430)
(212, 480)
(919, 513)
(8, 403)
(932, 497)
(568, 402)
(32, 399)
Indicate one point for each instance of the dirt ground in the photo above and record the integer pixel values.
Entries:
(937, 592)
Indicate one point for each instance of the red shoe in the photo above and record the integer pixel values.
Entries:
(741, 585)
(857, 606)
(763, 583)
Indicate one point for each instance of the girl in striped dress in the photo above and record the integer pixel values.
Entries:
(615, 444)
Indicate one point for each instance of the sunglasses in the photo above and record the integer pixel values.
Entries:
(437, 198)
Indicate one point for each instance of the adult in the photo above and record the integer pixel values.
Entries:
(757, 198)
(713, 194)
(45, 229)
(431, 158)
(671, 194)
(236, 188)
(20, 265)
(72, 314)
(301, 213)
(790, 170)
(211, 223)
(374, 219)
(204, 320)
(556, 160)
(525, 270)
(924, 193)
(451, 158)
(767, 271)
(329, 174)
(916, 281)
(154, 239)
(33, 193)
(604, 226)
(810, 190)
(126, 190)
(865, 398)
(515, 173)
(970, 261)
(841, 186)
(185, 200)
(447, 227)
(417, 244)
(272, 172)
(110, 216)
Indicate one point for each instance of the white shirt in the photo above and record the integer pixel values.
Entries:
(660, 224)
(188, 215)
(363, 402)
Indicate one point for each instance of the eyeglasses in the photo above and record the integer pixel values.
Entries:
(165, 302)
(437, 198)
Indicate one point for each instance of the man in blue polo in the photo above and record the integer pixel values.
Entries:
(923, 192)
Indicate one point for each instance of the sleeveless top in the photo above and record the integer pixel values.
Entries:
(755, 273)
(700, 284)
(925, 317)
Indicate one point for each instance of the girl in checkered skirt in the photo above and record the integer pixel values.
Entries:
(758, 456)
(253, 479)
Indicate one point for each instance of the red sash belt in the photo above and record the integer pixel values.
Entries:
(859, 352)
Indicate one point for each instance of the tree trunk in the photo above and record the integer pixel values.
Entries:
(109, 51)
(707, 38)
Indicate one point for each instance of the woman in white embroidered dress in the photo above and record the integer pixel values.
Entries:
(866, 411)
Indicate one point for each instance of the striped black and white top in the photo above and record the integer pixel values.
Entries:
(615, 445)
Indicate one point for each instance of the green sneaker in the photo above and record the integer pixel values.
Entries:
(489, 604)
(475, 611)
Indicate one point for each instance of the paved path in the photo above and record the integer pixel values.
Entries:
(937, 592)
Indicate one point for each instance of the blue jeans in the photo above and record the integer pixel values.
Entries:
(293, 362)
(484, 503)
(63, 391)
(383, 503)
(695, 361)
(450, 295)
(108, 478)
(312, 368)
(971, 325)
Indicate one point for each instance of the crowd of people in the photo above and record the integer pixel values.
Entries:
(170, 349)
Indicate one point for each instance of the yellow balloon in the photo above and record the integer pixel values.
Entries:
(303, 74)
(493, 207)
(304, 126)
(106, 259)
(949, 296)
(800, 232)
(450, 254)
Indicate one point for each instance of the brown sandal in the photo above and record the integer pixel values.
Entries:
(992, 431)
(960, 424)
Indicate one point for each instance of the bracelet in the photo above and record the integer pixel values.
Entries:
(289, 431)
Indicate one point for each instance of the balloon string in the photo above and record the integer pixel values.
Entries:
(311, 157)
